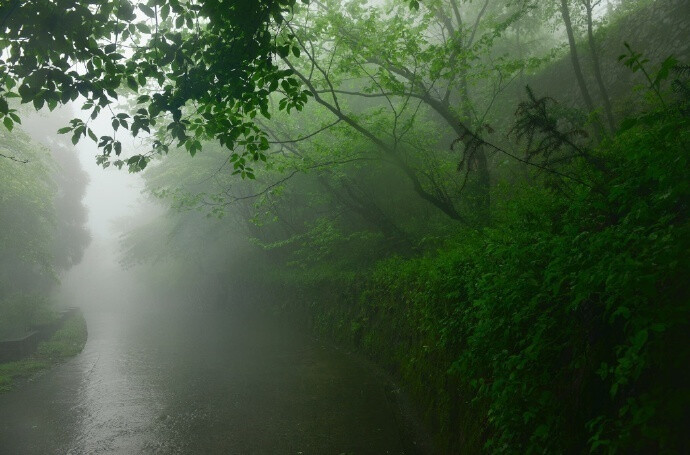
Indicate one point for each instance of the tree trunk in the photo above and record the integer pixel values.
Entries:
(575, 59)
(483, 200)
(474, 147)
(577, 68)
(597, 69)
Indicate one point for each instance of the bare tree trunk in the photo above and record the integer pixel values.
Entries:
(474, 148)
(482, 202)
(521, 53)
(575, 59)
(597, 68)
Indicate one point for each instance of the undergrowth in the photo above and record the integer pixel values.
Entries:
(560, 329)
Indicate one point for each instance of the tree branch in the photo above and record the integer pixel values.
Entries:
(13, 158)
(320, 130)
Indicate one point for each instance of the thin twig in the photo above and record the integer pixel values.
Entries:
(13, 158)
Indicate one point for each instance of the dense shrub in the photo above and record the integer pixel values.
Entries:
(561, 329)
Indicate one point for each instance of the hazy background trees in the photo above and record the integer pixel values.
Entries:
(42, 219)
(476, 194)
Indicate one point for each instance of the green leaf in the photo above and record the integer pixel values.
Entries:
(132, 83)
(38, 103)
(143, 28)
(147, 10)
(283, 51)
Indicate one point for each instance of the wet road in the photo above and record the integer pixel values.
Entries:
(185, 383)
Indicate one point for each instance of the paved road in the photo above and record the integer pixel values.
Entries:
(185, 383)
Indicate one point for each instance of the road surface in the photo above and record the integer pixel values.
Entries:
(166, 382)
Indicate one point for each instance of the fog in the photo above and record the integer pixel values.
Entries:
(113, 199)
(350, 227)
(170, 373)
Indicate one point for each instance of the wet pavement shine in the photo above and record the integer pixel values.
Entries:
(186, 383)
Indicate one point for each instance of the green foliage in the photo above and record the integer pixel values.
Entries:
(636, 62)
(554, 323)
(561, 328)
(27, 216)
(41, 225)
(217, 56)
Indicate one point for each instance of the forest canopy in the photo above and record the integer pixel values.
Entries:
(218, 55)
(488, 198)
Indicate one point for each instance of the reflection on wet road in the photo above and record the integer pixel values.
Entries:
(174, 383)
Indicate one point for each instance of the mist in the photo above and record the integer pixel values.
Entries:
(350, 227)
(99, 282)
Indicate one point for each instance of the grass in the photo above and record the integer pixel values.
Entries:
(67, 342)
